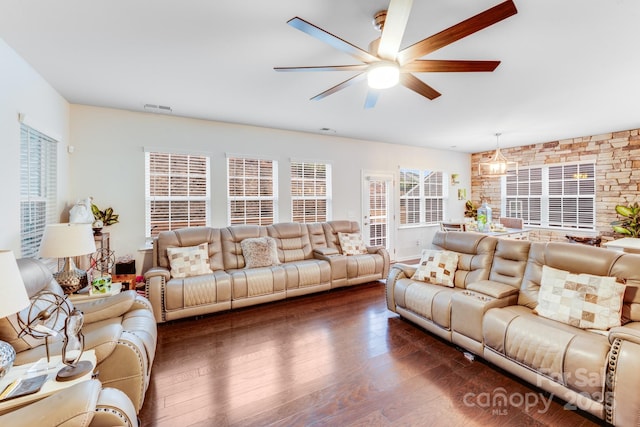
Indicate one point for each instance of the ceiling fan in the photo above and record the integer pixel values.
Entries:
(384, 65)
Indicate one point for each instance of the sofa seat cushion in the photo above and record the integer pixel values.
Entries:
(573, 357)
(197, 290)
(433, 302)
(252, 282)
(311, 272)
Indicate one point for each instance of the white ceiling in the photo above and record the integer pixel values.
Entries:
(569, 68)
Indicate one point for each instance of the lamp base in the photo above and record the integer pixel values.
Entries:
(7, 356)
(70, 373)
(70, 278)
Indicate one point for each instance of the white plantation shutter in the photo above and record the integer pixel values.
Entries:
(310, 192)
(251, 190)
(38, 187)
(177, 191)
(555, 196)
(422, 196)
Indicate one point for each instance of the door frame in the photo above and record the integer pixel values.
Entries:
(389, 177)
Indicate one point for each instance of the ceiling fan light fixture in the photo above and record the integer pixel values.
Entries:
(383, 75)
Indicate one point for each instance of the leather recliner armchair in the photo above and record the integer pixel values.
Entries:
(120, 329)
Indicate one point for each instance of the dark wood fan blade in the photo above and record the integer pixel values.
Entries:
(393, 30)
(372, 98)
(447, 66)
(355, 79)
(418, 86)
(458, 31)
(331, 40)
(357, 67)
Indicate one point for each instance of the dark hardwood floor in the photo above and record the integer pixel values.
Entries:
(338, 358)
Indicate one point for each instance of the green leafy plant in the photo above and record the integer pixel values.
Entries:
(470, 210)
(629, 225)
(106, 216)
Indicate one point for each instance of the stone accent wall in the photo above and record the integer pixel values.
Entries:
(617, 159)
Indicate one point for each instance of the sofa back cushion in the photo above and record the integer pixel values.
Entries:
(231, 243)
(475, 254)
(583, 259)
(510, 261)
(316, 235)
(292, 240)
(332, 228)
(191, 236)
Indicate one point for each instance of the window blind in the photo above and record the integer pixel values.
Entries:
(251, 190)
(555, 196)
(177, 191)
(422, 196)
(310, 191)
(38, 187)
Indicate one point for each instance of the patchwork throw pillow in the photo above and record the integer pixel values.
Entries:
(189, 261)
(581, 300)
(352, 244)
(259, 252)
(437, 267)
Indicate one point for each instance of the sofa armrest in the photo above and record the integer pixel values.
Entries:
(397, 272)
(156, 280)
(322, 253)
(629, 332)
(492, 288)
(76, 405)
(382, 251)
(117, 305)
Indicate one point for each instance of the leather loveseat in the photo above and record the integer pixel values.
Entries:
(307, 258)
(491, 311)
(120, 329)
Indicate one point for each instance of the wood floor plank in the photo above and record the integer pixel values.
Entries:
(337, 358)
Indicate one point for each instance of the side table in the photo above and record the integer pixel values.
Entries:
(50, 386)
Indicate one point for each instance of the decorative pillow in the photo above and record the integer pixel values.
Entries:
(581, 300)
(437, 267)
(259, 252)
(189, 260)
(352, 244)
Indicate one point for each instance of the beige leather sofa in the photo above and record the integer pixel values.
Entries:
(310, 259)
(82, 404)
(490, 312)
(121, 329)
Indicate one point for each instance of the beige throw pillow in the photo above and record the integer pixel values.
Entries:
(581, 300)
(259, 252)
(189, 261)
(437, 267)
(352, 244)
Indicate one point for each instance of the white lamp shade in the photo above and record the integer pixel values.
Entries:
(67, 240)
(14, 294)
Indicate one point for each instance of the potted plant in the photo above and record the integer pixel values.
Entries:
(629, 225)
(102, 218)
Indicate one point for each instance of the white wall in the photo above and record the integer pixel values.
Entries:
(24, 91)
(108, 164)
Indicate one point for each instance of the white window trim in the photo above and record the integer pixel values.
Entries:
(274, 198)
(328, 197)
(422, 198)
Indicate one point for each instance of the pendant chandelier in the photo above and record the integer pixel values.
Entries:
(498, 165)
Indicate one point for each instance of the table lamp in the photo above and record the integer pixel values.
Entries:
(14, 298)
(68, 241)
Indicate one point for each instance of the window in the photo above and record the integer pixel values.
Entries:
(310, 192)
(38, 187)
(252, 191)
(177, 191)
(422, 196)
(555, 196)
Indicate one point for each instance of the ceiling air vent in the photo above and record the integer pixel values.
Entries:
(157, 108)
